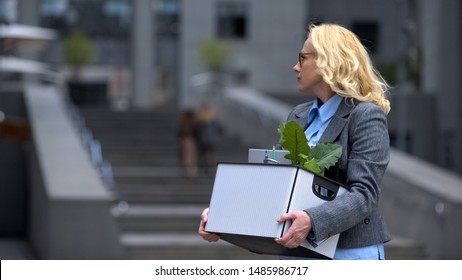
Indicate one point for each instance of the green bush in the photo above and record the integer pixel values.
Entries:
(214, 53)
(78, 50)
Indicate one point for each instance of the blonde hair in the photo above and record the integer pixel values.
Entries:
(345, 65)
(206, 113)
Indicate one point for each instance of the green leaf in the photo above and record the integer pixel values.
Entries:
(215, 53)
(281, 128)
(317, 158)
(78, 49)
(313, 166)
(326, 154)
(294, 140)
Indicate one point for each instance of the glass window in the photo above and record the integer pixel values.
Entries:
(171, 7)
(167, 17)
(53, 14)
(232, 20)
(96, 18)
(368, 33)
(53, 8)
(8, 11)
(118, 13)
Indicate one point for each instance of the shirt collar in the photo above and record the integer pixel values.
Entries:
(327, 110)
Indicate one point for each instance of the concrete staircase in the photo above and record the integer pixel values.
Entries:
(164, 206)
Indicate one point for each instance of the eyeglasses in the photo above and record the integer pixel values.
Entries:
(302, 56)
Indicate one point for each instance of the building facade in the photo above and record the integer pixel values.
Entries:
(415, 44)
(265, 40)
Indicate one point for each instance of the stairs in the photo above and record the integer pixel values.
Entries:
(164, 206)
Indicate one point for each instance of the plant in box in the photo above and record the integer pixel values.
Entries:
(317, 158)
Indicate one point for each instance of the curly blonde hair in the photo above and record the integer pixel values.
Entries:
(345, 65)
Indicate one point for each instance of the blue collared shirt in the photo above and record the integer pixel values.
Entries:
(319, 118)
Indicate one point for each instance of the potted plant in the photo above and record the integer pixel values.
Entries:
(215, 55)
(79, 52)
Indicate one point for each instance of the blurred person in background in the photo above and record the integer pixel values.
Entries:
(187, 136)
(208, 134)
(350, 108)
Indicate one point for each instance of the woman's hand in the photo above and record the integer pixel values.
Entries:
(210, 237)
(298, 231)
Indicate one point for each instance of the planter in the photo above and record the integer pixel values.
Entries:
(88, 93)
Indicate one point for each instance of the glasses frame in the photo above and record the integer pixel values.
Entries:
(301, 57)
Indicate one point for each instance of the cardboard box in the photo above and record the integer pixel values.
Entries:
(247, 199)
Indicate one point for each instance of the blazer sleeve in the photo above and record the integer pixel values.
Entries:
(367, 151)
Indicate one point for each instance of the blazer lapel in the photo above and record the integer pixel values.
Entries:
(338, 121)
(302, 114)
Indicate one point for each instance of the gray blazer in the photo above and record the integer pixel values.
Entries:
(361, 130)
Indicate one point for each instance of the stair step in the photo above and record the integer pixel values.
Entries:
(162, 180)
(117, 159)
(162, 198)
(168, 218)
(164, 206)
(175, 246)
(147, 171)
(400, 248)
(147, 210)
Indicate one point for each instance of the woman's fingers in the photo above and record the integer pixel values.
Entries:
(210, 237)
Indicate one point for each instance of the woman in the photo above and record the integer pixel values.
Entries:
(187, 140)
(350, 109)
(208, 133)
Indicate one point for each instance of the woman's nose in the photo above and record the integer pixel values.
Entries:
(296, 68)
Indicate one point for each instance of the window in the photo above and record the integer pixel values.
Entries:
(53, 8)
(167, 17)
(368, 33)
(171, 7)
(53, 14)
(8, 11)
(232, 20)
(96, 18)
(116, 18)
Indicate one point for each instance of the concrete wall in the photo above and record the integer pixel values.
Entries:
(69, 205)
(441, 74)
(13, 175)
(411, 121)
(69, 228)
(449, 96)
(197, 24)
(142, 55)
(276, 31)
(388, 14)
(423, 202)
(252, 116)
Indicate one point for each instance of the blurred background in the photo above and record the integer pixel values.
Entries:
(113, 114)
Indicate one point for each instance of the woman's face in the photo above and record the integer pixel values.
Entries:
(308, 79)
